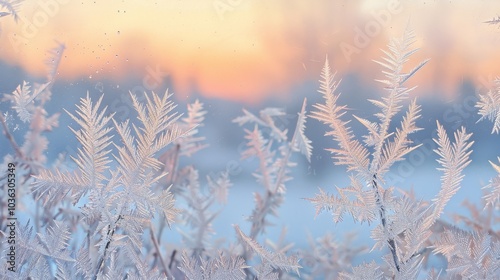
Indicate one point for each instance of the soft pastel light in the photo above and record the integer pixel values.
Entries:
(246, 50)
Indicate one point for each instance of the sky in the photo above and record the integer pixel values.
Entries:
(249, 50)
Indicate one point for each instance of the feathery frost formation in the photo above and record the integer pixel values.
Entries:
(104, 212)
(406, 226)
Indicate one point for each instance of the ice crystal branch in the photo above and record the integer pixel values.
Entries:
(125, 198)
(274, 168)
(191, 142)
(454, 157)
(489, 106)
(493, 198)
(198, 215)
(354, 200)
(274, 260)
(23, 98)
(36, 253)
(274, 165)
(388, 147)
(92, 159)
(350, 153)
(399, 53)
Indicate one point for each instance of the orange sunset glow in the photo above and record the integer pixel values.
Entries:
(247, 50)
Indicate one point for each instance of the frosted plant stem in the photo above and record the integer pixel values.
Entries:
(37, 213)
(421, 252)
(172, 259)
(7, 134)
(167, 271)
(269, 201)
(109, 234)
(257, 227)
(271, 194)
(383, 220)
(160, 230)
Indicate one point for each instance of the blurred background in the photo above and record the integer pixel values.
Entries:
(235, 54)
